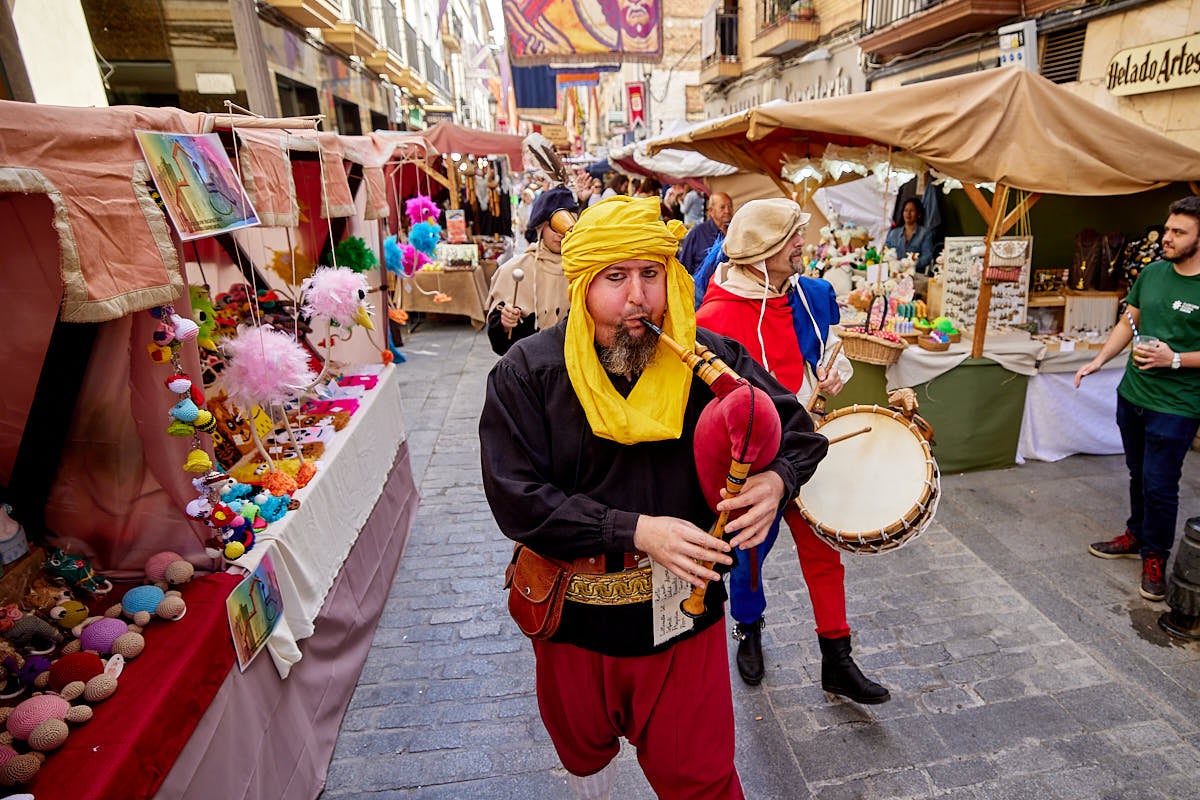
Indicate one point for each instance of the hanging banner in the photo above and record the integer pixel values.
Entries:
(635, 96)
(592, 31)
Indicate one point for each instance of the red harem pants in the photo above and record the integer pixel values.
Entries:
(675, 708)
(823, 574)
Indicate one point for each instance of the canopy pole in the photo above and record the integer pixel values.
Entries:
(998, 224)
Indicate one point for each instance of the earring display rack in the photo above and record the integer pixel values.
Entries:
(961, 275)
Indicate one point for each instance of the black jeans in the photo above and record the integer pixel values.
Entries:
(1155, 446)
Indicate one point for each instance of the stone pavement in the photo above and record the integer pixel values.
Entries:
(1020, 666)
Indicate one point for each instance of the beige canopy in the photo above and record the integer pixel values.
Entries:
(1003, 125)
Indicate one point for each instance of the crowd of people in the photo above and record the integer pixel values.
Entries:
(591, 440)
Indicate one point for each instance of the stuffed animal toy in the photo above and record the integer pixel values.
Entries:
(28, 632)
(106, 636)
(42, 595)
(23, 672)
(168, 569)
(42, 722)
(143, 603)
(76, 572)
(338, 295)
(82, 674)
(69, 613)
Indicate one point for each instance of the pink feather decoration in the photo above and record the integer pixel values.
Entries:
(264, 366)
(335, 293)
(421, 208)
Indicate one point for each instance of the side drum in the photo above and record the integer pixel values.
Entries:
(877, 488)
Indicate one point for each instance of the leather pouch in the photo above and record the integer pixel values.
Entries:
(537, 587)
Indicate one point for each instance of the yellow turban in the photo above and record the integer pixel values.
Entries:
(618, 229)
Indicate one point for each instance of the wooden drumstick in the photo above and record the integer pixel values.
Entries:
(850, 435)
(518, 275)
(833, 354)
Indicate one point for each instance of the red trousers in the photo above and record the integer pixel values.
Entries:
(824, 575)
(675, 708)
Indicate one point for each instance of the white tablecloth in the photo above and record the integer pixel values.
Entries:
(308, 545)
(917, 365)
(1060, 420)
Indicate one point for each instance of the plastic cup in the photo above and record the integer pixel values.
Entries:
(1142, 339)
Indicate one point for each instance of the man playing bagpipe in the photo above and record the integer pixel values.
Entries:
(591, 437)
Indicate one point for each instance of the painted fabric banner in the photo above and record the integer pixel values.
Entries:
(592, 31)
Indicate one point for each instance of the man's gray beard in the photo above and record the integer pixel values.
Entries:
(627, 355)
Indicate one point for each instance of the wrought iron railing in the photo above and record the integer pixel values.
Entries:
(878, 14)
(435, 74)
(391, 26)
(726, 40)
(412, 52)
(360, 12)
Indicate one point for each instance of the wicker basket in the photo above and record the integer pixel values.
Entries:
(859, 346)
(925, 343)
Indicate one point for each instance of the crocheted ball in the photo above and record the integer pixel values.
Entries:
(101, 634)
(50, 735)
(72, 667)
(33, 712)
(142, 598)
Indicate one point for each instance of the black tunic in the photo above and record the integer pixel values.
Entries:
(567, 493)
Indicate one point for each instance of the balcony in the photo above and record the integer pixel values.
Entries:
(310, 13)
(723, 64)
(896, 27)
(354, 36)
(387, 59)
(452, 33)
(786, 26)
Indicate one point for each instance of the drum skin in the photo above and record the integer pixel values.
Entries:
(875, 490)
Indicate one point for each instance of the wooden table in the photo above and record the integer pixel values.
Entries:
(466, 288)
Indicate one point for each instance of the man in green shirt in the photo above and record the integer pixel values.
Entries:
(1158, 399)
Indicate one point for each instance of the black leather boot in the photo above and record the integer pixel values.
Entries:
(840, 675)
(749, 653)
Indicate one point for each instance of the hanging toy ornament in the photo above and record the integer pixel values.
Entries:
(266, 368)
(338, 295)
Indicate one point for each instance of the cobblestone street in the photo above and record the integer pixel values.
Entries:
(1019, 665)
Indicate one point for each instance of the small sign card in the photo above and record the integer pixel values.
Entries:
(254, 607)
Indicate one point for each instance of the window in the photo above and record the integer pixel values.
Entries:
(349, 122)
(296, 99)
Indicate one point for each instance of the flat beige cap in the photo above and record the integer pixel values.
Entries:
(761, 228)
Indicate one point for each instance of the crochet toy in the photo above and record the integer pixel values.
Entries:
(205, 317)
(41, 722)
(82, 674)
(17, 768)
(168, 569)
(69, 613)
(76, 572)
(106, 636)
(143, 603)
(28, 632)
(338, 295)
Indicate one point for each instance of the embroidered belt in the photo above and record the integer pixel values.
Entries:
(611, 588)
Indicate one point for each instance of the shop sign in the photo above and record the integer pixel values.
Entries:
(1173, 64)
(557, 134)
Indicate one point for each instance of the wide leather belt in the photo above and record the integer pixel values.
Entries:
(611, 588)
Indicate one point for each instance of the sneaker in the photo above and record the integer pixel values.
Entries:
(1124, 546)
(1154, 580)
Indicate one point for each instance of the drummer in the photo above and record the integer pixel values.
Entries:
(758, 299)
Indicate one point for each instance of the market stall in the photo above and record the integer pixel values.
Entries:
(455, 155)
(88, 457)
(1007, 132)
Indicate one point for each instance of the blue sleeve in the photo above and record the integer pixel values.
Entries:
(924, 246)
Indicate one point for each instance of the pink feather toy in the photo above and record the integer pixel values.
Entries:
(338, 294)
(265, 366)
(421, 208)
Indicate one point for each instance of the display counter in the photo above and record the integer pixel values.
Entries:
(1060, 420)
(1017, 403)
(186, 721)
(466, 288)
